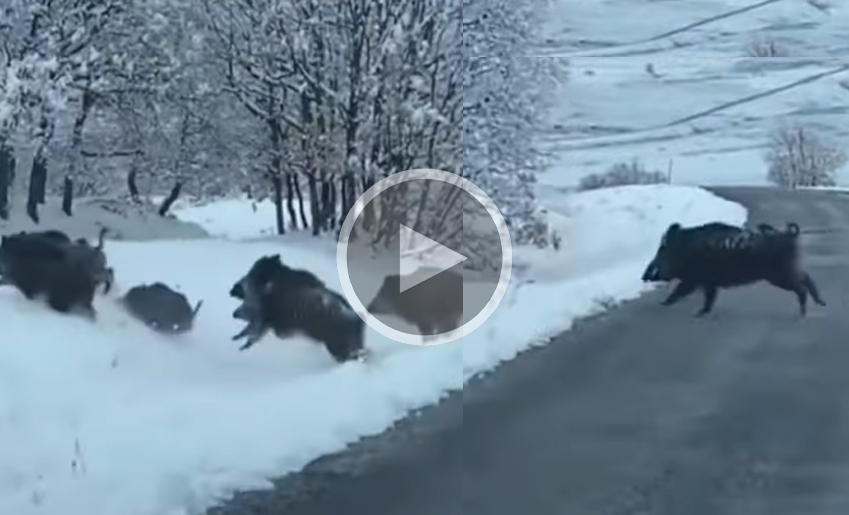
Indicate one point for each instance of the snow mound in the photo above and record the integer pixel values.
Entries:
(239, 217)
(124, 221)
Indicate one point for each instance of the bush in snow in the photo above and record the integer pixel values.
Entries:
(623, 174)
(766, 48)
(799, 156)
(505, 95)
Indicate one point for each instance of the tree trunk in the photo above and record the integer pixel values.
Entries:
(290, 199)
(77, 160)
(68, 195)
(132, 186)
(7, 164)
(325, 200)
(368, 210)
(296, 182)
(343, 198)
(276, 171)
(315, 205)
(277, 184)
(331, 204)
(172, 197)
(37, 183)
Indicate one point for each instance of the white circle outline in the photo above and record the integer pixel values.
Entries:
(435, 175)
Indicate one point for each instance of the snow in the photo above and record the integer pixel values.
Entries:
(237, 217)
(112, 418)
(614, 110)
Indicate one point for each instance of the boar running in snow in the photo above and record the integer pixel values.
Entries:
(37, 266)
(161, 308)
(434, 306)
(289, 302)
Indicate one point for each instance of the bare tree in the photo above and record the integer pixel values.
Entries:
(799, 156)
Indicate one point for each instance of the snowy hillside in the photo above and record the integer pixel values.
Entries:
(110, 418)
(662, 81)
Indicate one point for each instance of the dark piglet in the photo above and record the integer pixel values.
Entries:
(161, 308)
(289, 302)
(715, 256)
(434, 306)
(38, 267)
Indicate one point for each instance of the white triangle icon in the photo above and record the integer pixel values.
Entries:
(423, 256)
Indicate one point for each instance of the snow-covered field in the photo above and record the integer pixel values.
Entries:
(111, 418)
(614, 109)
(238, 217)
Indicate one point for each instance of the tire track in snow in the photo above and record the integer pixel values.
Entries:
(586, 143)
(706, 21)
(758, 96)
(674, 32)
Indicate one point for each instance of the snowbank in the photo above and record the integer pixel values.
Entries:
(124, 221)
(239, 217)
(112, 419)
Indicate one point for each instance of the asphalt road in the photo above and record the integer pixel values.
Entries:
(643, 411)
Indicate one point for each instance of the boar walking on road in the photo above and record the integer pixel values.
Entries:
(715, 256)
(289, 302)
(434, 306)
(161, 308)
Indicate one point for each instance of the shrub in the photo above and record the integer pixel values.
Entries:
(798, 156)
(623, 174)
(766, 48)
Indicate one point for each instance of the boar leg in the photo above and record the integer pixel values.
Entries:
(811, 286)
(710, 293)
(254, 338)
(682, 289)
(109, 278)
(252, 327)
(792, 282)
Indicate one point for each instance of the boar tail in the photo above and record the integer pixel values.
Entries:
(197, 308)
(103, 231)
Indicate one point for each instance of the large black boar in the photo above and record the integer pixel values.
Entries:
(161, 308)
(37, 266)
(56, 244)
(714, 256)
(434, 306)
(288, 301)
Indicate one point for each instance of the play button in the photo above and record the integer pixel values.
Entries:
(417, 250)
(424, 257)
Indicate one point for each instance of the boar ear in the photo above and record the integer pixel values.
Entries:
(793, 228)
(671, 231)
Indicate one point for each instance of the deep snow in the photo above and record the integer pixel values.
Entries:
(110, 418)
